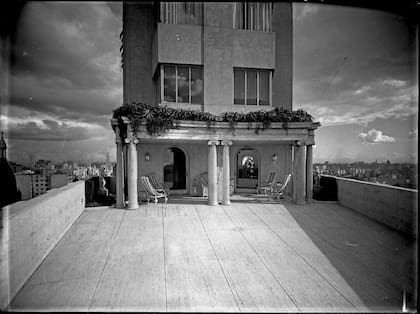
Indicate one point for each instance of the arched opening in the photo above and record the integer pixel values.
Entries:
(247, 169)
(175, 172)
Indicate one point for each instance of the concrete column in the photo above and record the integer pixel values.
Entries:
(212, 172)
(309, 174)
(226, 173)
(132, 173)
(120, 170)
(299, 175)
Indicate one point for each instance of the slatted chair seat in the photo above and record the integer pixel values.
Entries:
(269, 185)
(204, 183)
(152, 193)
(155, 183)
(280, 188)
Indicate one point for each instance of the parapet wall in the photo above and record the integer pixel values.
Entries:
(30, 229)
(393, 206)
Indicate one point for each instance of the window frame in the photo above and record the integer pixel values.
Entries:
(246, 16)
(270, 90)
(162, 84)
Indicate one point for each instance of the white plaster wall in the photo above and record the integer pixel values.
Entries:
(31, 229)
(396, 207)
(196, 159)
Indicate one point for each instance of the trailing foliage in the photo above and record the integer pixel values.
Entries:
(160, 119)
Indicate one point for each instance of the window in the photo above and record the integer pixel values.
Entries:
(181, 13)
(181, 84)
(252, 87)
(255, 16)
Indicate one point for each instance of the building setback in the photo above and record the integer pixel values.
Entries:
(216, 58)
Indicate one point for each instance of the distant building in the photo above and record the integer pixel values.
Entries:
(24, 185)
(58, 180)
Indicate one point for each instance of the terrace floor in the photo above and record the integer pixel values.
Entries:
(254, 255)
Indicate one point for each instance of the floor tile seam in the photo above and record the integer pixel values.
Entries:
(106, 261)
(163, 210)
(262, 261)
(305, 260)
(218, 260)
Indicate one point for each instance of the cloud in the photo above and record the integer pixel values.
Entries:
(66, 59)
(362, 90)
(395, 83)
(358, 63)
(48, 128)
(304, 10)
(413, 134)
(374, 136)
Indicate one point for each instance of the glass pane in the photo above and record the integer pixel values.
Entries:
(169, 92)
(251, 87)
(248, 168)
(196, 85)
(264, 88)
(183, 84)
(239, 87)
(260, 20)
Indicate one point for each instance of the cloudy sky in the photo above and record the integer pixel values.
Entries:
(353, 71)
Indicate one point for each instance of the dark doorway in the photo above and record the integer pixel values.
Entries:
(174, 174)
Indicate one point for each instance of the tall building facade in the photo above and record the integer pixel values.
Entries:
(216, 58)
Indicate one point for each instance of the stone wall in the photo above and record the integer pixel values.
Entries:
(29, 231)
(393, 206)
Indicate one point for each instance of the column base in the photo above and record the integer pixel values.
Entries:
(133, 206)
(310, 201)
(226, 203)
(300, 202)
(213, 203)
(120, 206)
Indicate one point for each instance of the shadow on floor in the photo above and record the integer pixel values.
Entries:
(378, 263)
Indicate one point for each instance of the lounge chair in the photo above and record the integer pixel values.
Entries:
(280, 188)
(151, 191)
(155, 183)
(204, 182)
(268, 186)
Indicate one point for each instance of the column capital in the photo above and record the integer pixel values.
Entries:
(225, 142)
(300, 143)
(131, 139)
(213, 142)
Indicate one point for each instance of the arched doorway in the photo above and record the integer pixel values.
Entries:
(247, 169)
(175, 172)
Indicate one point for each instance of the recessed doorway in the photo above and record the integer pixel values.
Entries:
(175, 172)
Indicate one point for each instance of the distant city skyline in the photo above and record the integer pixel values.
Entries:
(354, 70)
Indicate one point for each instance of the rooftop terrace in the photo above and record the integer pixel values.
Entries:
(254, 255)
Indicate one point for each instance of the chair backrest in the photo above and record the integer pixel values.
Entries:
(148, 186)
(286, 182)
(271, 178)
(204, 179)
(154, 181)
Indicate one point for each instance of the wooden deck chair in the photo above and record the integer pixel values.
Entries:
(204, 183)
(268, 186)
(280, 188)
(155, 183)
(151, 191)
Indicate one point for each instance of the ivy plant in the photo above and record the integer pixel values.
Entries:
(160, 119)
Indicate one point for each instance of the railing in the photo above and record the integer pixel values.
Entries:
(393, 206)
